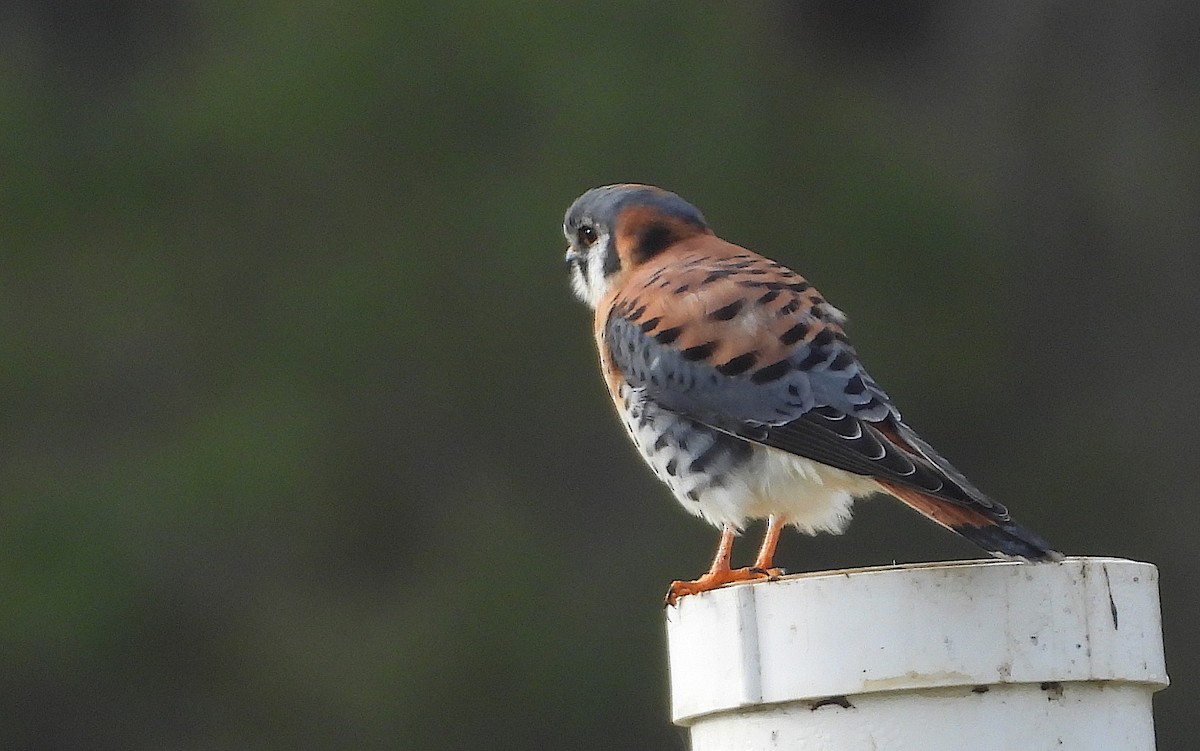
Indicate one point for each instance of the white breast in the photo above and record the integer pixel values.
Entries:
(813, 497)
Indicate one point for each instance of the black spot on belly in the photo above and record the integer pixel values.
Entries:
(701, 462)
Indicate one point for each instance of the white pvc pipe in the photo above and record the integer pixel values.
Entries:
(969, 656)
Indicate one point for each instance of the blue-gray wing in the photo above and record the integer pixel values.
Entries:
(764, 357)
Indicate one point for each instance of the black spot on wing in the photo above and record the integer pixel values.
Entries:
(794, 334)
(843, 360)
(715, 275)
(738, 365)
(815, 357)
(666, 336)
(772, 372)
(823, 338)
(650, 325)
(727, 312)
(855, 385)
(699, 352)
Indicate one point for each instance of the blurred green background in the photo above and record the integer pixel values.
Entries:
(304, 442)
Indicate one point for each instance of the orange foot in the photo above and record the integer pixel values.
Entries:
(719, 578)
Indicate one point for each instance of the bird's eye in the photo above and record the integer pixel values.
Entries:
(586, 235)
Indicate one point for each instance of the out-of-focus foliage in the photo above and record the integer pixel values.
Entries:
(303, 441)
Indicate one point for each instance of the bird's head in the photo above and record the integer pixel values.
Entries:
(616, 228)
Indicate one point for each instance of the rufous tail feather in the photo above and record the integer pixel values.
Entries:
(1000, 537)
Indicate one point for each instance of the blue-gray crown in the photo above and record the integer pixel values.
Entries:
(604, 204)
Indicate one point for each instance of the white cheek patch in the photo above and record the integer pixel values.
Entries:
(579, 285)
(592, 285)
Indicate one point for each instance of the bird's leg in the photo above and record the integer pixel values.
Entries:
(766, 553)
(719, 574)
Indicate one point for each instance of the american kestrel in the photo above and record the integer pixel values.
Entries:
(737, 384)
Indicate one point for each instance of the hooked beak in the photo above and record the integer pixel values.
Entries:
(572, 258)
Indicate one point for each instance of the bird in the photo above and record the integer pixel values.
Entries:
(737, 383)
